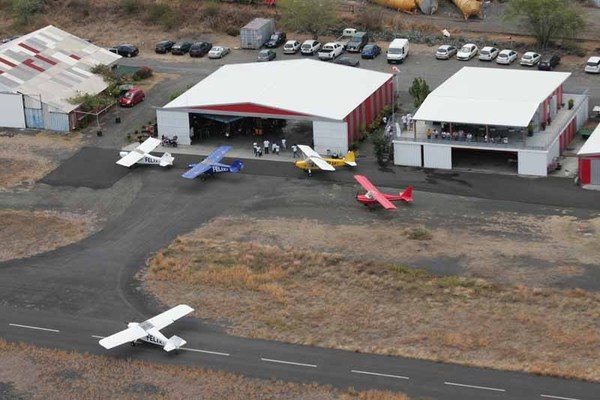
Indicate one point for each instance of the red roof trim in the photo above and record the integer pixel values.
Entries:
(75, 56)
(7, 62)
(23, 45)
(46, 59)
(250, 108)
(30, 64)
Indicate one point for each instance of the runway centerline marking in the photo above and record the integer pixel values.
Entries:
(356, 371)
(216, 353)
(474, 387)
(557, 397)
(288, 362)
(35, 327)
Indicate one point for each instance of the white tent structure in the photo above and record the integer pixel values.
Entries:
(340, 100)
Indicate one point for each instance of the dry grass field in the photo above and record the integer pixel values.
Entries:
(268, 279)
(28, 372)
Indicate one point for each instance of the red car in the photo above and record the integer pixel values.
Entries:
(132, 97)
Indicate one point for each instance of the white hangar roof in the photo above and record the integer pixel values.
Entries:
(490, 96)
(53, 65)
(591, 147)
(295, 87)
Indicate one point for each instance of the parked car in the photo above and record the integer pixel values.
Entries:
(530, 59)
(549, 62)
(276, 40)
(370, 51)
(125, 50)
(358, 41)
(488, 53)
(506, 57)
(310, 47)
(349, 61)
(330, 51)
(199, 49)
(218, 52)
(266, 55)
(467, 52)
(180, 48)
(593, 65)
(291, 47)
(132, 97)
(445, 52)
(163, 46)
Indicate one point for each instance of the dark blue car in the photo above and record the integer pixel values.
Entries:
(370, 51)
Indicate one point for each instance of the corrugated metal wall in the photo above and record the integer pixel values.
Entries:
(437, 156)
(408, 154)
(33, 112)
(58, 121)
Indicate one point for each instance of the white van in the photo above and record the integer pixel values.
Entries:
(397, 51)
(593, 65)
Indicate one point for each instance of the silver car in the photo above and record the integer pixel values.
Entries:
(218, 52)
(530, 59)
(445, 52)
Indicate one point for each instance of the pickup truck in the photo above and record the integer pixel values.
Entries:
(358, 41)
(346, 37)
(330, 51)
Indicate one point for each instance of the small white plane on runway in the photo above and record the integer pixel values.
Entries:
(141, 155)
(149, 331)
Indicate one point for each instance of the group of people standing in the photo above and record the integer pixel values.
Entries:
(273, 147)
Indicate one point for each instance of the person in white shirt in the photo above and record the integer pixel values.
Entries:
(266, 146)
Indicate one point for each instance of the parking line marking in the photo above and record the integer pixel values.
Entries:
(378, 374)
(288, 362)
(474, 387)
(35, 327)
(557, 397)
(98, 337)
(216, 353)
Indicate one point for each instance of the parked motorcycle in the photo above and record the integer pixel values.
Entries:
(166, 141)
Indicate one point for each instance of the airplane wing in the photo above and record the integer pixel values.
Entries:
(308, 151)
(168, 317)
(197, 170)
(139, 152)
(125, 336)
(374, 192)
(322, 164)
(217, 155)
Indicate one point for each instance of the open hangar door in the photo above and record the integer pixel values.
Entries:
(12, 114)
(485, 160)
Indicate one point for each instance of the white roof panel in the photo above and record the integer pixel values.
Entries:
(490, 96)
(311, 87)
(591, 147)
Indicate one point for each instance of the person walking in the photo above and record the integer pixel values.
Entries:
(294, 151)
(273, 147)
(404, 125)
(259, 150)
(277, 149)
(283, 144)
(266, 146)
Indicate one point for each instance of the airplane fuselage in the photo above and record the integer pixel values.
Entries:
(367, 200)
(308, 165)
(147, 159)
(154, 336)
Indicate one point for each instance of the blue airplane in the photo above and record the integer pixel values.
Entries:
(211, 165)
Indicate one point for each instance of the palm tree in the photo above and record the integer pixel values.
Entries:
(419, 91)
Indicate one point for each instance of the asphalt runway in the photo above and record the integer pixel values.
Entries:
(70, 297)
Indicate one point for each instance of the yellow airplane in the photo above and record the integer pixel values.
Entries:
(313, 160)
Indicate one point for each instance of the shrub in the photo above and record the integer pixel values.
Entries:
(142, 73)
(232, 31)
(24, 10)
(162, 14)
(419, 233)
(571, 104)
(130, 6)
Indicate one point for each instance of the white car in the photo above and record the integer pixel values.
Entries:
(593, 65)
(445, 52)
(291, 47)
(467, 52)
(218, 52)
(330, 51)
(506, 57)
(310, 47)
(488, 53)
(530, 59)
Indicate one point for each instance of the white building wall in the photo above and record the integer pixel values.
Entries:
(330, 137)
(407, 154)
(437, 156)
(533, 163)
(12, 114)
(174, 123)
(583, 113)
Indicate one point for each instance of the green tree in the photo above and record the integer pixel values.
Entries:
(419, 91)
(382, 147)
(547, 19)
(312, 16)
(24, 10)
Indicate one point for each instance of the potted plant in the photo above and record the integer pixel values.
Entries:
(571, 104)
(530, 130)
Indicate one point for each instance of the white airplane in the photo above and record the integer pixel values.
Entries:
(141, 155)
(149, 331)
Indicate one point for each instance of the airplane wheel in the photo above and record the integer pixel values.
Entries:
(133, 343)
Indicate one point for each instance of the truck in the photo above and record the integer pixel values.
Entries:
(346, 37)
(256, 33)
(330, 51)
(358, 41)
(397, 51)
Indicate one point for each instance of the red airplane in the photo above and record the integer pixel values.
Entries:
(374, 196)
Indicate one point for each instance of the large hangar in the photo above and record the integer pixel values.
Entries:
(340, 101)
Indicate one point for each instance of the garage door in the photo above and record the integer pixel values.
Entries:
(11, 110)
(595, 172)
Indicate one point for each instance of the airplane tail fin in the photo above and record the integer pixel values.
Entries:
(236, 166)
(407, 195)
(174, 343)
(350, 159)
(166, 160)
